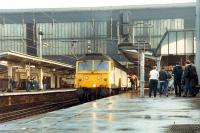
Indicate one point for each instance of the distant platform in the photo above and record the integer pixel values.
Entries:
(22, 99)
(35, 92)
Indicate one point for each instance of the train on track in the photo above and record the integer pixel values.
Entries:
(98, 76)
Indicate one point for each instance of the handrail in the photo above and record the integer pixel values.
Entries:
(160, 43)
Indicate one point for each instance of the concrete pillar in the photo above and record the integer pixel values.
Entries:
(40, 79)
(158, 60)
(142, 81)
(53, 84)
(158, 63)
(16, 77)
(9, 71)
(197, 60)
(9, 75)
(58, 81)
(28, 70)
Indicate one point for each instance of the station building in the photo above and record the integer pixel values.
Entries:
(167, 31)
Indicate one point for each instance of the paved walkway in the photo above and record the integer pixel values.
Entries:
(122, 113)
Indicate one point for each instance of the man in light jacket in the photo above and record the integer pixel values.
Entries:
(153, 81)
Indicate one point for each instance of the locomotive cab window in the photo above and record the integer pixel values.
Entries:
(85, 66)
(101, 65)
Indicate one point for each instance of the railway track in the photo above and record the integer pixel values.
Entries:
(39, 109)
(19, 113)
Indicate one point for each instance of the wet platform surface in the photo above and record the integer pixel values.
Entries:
(122, 113)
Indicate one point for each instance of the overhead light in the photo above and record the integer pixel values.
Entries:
(148, 53)
(45, 44)
(17, 66)
(133, 51)
(89, 41)
(4, 62)
(32, 66)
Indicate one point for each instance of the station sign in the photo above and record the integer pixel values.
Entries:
(23, 76)
(21, 70)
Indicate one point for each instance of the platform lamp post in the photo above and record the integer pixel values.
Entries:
(141, 58)
(40, 55)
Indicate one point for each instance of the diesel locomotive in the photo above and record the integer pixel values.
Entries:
(98, 75)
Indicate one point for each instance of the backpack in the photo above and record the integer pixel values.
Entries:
(169, 76)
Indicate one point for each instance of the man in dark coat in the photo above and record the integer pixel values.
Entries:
(163, 82)
(177, 72)
(191, 79)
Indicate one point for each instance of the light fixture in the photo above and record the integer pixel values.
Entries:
(32, 66)
(4, 62)
(89, 41)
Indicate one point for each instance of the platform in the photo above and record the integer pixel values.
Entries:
(10, 101)
(122, 113)
(35, 92)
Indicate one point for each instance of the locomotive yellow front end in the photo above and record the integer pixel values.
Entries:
(92, 74)
(98, 75)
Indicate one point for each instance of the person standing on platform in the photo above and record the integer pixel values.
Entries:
(134, 80)
(177, 72)
(171, 84)
(163, 82)
(35, 84)
(11, 84)
(28, 84)
(190, 78)
(44, 81)
(153, 81)
(14, 84)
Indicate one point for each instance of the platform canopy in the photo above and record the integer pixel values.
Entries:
(21, 59)
(133, 55)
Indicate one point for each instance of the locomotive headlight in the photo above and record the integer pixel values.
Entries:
(98, 77)
(86, 77)
(94, 85)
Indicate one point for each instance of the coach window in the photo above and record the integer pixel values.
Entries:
(101, 65)
(85, 66)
